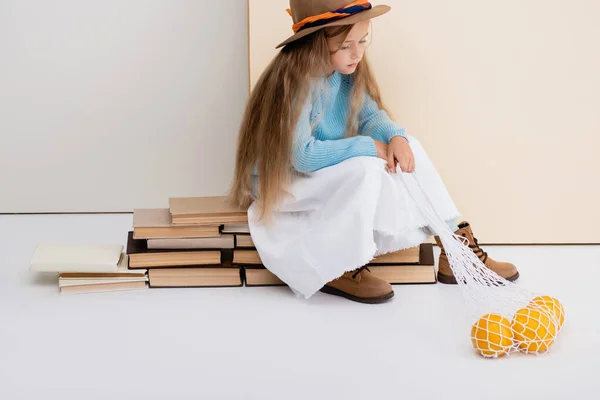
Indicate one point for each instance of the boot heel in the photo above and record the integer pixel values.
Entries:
(447, 279)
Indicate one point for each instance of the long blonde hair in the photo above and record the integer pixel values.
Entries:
(273, 109)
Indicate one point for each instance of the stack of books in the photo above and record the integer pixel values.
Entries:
(87, 268)
(204, 242)
(193, 243)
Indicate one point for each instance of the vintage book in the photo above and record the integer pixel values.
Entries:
(62, 282)
(65, 257)
(221, 242)
(258, 275)
(244, 241)
(406, 256)
(410, 273)
(121, 275)
(195, 277)
(398, 274)
(246, 257)
(104, 287)
(140, 256)
(421, 272)
(204, 211)
(394, 274)
(155, 223)
(236, 228)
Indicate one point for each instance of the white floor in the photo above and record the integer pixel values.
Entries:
(263, 343)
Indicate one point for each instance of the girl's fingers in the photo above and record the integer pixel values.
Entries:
(390, 161)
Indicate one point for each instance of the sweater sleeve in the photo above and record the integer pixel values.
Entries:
(376, 123)
(310, 154)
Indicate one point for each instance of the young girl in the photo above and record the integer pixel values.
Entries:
(323, 170)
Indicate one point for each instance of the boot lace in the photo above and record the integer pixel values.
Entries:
(358, 271)
(483, 256)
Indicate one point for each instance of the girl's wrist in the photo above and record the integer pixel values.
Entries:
(398, 137)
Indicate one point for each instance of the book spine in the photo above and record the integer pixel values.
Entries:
(227, 257)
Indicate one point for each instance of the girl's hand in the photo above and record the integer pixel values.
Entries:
(399, 150)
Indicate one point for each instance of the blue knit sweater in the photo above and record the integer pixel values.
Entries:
(319, 140)
(322, 145)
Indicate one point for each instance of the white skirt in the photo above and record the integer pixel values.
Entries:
(339, 218)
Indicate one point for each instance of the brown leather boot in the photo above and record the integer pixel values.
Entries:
(506, 270)
(361, 286)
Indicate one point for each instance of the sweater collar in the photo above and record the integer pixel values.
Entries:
(334, 79)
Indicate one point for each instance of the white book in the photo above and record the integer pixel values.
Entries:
(65, 257)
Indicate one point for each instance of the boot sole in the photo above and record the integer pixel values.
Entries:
(366, 300)
(451, 280)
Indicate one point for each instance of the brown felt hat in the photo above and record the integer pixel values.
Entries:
(310, 16)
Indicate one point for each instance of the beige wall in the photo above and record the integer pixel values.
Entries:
(505, 97)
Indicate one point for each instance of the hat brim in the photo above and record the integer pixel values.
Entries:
(361, 16)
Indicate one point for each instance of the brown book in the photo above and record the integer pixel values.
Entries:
(155, 223)
(406, 256)
(244, 241)
(204, 211)
(103, 287)
(422, 272)
(142, 257)
(220, 242)
(241, 257)
(399, 274)
(236, 228)
(258, 275)
(195, 277)
(393, 274)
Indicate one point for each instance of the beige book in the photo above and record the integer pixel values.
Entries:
(106, 287)
(142, 257)
(244, 241)
(174, 259)
(221, 242)
(204, 211)
(241, 257)
(236, 228)
(393, 274)
(62, 282)
(155, 223)
(407, 256)
(397, 274)
(195, 277)
(261, 277)
(122, 274)
(67, 257)
(206, 220)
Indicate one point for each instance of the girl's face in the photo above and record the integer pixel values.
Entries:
(348, 54)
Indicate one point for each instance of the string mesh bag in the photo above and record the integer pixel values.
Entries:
(508, 317)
